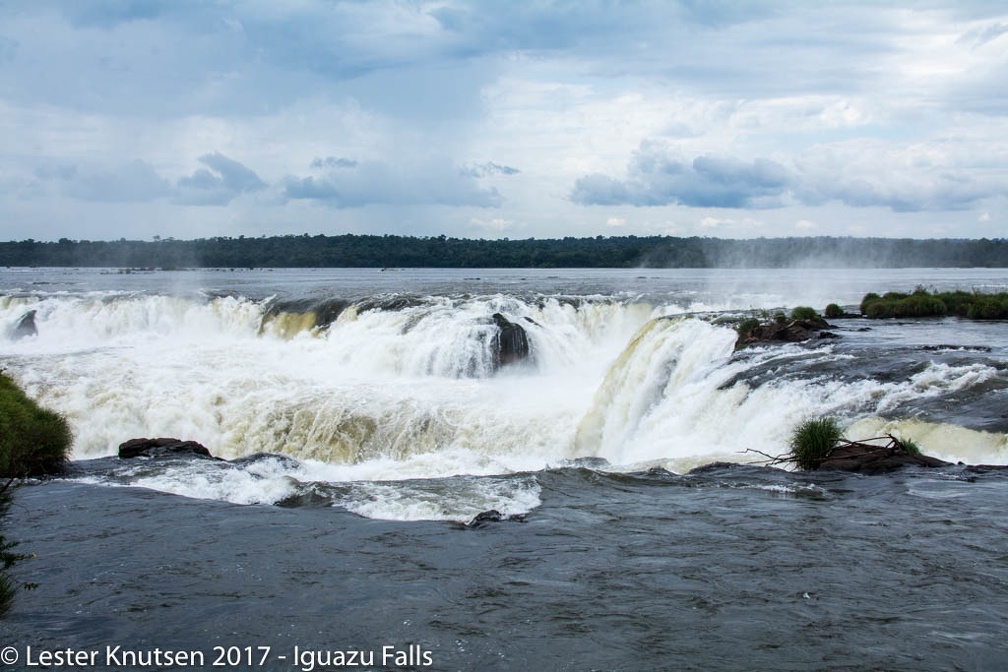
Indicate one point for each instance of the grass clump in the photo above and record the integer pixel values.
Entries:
(908, 445)
(804, 313)
(833, 311)
(746, 327)
(812, 440)
(33, 441)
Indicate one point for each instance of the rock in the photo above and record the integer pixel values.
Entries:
(162, 447)
(865, 458)
(492, 516)
(25, 326)
(511, 342)
(791, 331)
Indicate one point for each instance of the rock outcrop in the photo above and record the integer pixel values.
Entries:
(25, 326)
(511, 344)
(865, 458)
(163, 447)
(787, 331)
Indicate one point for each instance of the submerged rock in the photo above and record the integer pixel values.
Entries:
(511, 342)
(163, 447)
(492, 516)
(865, 458)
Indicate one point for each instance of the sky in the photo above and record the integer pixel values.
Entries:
(542, 119)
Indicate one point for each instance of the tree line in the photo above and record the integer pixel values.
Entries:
(382, 251)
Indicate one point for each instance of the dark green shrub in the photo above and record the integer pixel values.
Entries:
(869, 298)
(812, 440)
(923, 304)
(833, 310)
(804, 313)
(33, 441)
(746, 327)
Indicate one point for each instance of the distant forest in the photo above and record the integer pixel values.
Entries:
(371, 251)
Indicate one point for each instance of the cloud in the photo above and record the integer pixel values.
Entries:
(859, 174)
(339, 184)
(225, 180)
(657, 178)
(730, 223)
(487, 169)
(333, 162)
(130, 182)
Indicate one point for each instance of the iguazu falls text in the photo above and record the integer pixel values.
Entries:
(223, 657)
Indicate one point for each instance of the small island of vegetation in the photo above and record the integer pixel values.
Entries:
(922, 303)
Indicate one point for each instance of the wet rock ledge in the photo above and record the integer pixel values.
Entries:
(163, 447)
(866, 458)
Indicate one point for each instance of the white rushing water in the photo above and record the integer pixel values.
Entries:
(380, 396)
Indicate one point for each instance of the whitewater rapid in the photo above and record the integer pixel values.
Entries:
(402, 386)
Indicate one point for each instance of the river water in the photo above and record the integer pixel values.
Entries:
(365, 424)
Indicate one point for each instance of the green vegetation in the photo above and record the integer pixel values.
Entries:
(922, 303)
(371, 251)
(812, 440)
(804, 313)
(909, 445)
(33, 441)
(833, 311)
(746, 327)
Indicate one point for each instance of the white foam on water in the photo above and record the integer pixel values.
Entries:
(384, 396)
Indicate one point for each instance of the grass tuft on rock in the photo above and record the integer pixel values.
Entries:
(33, 441)
(812, 440)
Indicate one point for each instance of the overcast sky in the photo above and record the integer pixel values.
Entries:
(737, 119)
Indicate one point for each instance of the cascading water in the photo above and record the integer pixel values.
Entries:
(397, 386)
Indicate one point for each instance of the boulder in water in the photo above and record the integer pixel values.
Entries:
(511, 342)
(25, 326)
(163, 447)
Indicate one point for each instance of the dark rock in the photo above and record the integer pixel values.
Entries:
(791, 331)
(162, 447)
(285, 461)
(492, 516)
(485, 518)
(511, 342)
(865, 458)
(25, 326)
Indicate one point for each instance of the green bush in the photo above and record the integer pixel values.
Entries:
(833, 311)
(923, 304)
(868, 300)
(804, 313)
(746, 327)
(812, 440)
(33, 441)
